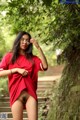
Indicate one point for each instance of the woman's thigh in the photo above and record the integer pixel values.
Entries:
(17, 110)
(32, 108)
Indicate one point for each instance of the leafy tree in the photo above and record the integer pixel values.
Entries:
(33, 17)
(2, 40)
(57, 25)
(67, 31)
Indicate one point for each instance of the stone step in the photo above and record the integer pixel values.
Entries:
(49, 78)
(7, 104)
(46, 82)
(7, 98)
(12, 119)
(8, 109)
(39, 94)
(41, 89)
(4, 102)
(44, 85)
(8, 113)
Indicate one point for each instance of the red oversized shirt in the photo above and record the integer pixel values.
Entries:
(17, 82)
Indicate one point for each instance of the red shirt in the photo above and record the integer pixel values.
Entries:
(17, 82)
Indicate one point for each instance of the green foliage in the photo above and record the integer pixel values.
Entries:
(52, 28)
(47, 2)
(57, 26)
(3, 40)
(2, 45)
(33, 17)
(53, 103)
(3, 87)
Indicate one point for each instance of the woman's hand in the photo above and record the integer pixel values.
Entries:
(42, 56)
(33, 41)
(23, 72)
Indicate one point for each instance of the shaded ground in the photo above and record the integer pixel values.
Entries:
(53, 71)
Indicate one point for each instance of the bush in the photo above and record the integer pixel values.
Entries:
(3, 86)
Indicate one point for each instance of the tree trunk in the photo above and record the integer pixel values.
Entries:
(66, 103)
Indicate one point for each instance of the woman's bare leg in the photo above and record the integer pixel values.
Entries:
(32, 108)
(17, 110)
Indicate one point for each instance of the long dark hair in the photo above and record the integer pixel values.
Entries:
(16, 47)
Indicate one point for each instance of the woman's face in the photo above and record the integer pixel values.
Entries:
(24, 42)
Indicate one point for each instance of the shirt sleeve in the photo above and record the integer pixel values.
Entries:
(38, 64)
(4, 62)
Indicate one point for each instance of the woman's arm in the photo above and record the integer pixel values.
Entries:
(42, 56)
(14, 70)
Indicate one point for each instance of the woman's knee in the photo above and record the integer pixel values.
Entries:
(32, 108)
(17, 110)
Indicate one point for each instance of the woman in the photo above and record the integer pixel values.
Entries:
(22, 68)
